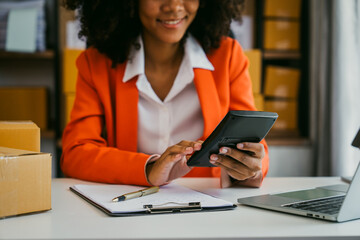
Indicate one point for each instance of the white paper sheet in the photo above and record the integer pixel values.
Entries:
(169, 195)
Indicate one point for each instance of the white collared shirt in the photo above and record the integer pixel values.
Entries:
(164, 123)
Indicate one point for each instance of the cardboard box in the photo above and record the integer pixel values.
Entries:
(25, 103)
(282, 82)
(20, 134)
(287, 111)
(70, 70)
(282, 8)
(68, 103)
(259, 101)
(25, 185)
(255, 68)
(282, 35)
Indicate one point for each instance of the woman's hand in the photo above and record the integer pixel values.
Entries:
(243, 163)
(172, 163)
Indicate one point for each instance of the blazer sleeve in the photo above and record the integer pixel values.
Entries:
(86, 154)
(242, 97)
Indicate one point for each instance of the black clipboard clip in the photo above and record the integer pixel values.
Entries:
(180, 207)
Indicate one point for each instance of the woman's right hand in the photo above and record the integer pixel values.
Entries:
(172, 163)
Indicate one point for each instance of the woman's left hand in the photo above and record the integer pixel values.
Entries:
(243, 163)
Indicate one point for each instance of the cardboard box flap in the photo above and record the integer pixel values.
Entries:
(18, 124)
(12, 152)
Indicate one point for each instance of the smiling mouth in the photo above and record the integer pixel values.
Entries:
(171, 22)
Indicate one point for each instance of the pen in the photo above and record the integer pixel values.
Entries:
(136, 194)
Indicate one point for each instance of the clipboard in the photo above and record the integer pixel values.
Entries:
(171, 199)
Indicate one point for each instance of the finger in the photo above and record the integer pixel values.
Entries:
(239, 175)
(195, 145)
(244, 158)
(257, 149)
(184, 148)
(232, 165)
(169, 158)
(180, 148)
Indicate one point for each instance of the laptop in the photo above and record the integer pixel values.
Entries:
(337, 203)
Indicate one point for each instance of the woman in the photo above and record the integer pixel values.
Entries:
(158, 77)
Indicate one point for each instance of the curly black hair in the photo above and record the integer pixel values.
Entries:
(112, 26)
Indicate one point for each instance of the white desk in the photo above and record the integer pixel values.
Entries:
(73, 218)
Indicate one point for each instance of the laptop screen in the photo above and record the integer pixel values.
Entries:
(356, 142)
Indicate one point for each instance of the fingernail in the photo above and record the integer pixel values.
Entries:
(213, 159)
(224, 150)
(189, 149)
(197, 146)
(240, 145)
(212, 162)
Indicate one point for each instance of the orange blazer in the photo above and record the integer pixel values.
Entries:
(100, 141)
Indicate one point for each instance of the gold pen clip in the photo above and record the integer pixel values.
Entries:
(136, 194)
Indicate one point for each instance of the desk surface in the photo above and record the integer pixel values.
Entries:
(73, 218)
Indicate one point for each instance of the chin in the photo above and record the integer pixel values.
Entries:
(173, 39)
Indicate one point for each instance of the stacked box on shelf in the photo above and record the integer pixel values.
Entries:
(282, 35)
(282, 8)
(281, 92)
(69, 99)
(255, 66)
(69, 82)
(282, 25)
(25, 103)
(287, 111)
(281, 83)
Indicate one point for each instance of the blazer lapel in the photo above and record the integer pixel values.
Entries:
(209, 99)
(126, 108)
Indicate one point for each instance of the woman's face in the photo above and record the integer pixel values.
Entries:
(167, 20)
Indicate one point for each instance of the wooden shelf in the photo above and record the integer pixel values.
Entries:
(286, 138)
(281, 55)
(293, 141)
(48, 54)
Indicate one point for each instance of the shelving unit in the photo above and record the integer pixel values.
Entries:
(271, 55)
(292, 58)
(48, 54)
(39, 69)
